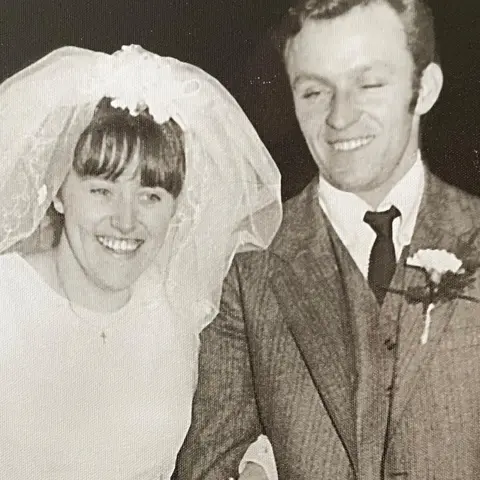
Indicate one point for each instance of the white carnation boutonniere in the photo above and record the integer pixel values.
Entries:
(447, 277)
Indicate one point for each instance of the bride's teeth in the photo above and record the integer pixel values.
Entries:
(119, 245)
(347, 145)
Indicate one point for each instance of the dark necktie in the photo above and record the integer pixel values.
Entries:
(382, 262)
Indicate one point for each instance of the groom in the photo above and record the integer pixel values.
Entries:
(310, 346)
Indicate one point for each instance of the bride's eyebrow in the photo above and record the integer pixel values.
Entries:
(95, 179)
(157, 188)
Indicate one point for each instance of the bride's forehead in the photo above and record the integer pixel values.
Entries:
(130, 176)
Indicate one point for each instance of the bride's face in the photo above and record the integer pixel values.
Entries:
(115, 228)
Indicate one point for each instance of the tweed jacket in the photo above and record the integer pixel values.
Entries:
(281, 359)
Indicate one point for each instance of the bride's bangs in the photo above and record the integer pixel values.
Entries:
(106, 152)
(162, 158)
(117, 140)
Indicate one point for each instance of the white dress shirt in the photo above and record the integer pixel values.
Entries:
(346, 211)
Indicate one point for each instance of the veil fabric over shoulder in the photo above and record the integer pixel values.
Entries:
(230, 200)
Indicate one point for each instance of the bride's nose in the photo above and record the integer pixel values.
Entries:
(124, 217)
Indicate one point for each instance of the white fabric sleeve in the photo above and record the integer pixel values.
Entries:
(261, 453)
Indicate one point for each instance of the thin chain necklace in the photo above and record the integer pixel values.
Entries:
(81, 317)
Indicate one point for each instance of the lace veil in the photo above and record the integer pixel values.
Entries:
(230, 200)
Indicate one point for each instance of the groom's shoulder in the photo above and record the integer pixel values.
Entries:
(458, 202)
(296, 223)
(299, 213)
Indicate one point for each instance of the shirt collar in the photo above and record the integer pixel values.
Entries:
(346, 210)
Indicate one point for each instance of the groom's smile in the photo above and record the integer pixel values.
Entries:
(349, 145)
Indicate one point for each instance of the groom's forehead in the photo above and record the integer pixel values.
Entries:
(361, 38)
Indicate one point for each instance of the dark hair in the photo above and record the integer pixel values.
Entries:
(114, 139)
(415, 15)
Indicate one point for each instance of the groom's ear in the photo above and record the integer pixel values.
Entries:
(431, 85)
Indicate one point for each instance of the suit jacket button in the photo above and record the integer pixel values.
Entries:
(390, 344)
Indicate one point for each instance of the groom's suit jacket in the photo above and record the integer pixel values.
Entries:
(344, 389)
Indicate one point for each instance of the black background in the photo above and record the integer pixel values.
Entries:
(230, 40)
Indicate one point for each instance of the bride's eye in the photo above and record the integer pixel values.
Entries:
(371, 86)
(104, 192)
(151, 197)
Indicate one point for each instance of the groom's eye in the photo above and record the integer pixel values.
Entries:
(311, 93)
(316, 93)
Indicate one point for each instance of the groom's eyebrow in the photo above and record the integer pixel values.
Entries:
(375, 67)
(305, 77)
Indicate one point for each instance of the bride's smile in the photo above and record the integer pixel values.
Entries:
(121, 246)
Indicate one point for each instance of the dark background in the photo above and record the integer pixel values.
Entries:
(230, 40)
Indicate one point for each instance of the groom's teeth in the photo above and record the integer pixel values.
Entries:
(348, 145)
(118, 245)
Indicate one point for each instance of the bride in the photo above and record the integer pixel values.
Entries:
(155, 179)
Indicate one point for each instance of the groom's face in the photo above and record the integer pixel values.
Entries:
(351, 78)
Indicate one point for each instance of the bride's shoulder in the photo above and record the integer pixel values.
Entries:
(42, 262)
(22, 283)
(18, 267)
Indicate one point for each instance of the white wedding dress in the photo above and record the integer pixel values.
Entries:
(87, 396)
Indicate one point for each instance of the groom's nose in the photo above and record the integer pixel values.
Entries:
(342, 111)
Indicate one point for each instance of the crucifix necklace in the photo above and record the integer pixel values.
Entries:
(83, 318)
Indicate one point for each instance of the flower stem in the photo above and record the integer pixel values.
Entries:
(428, 321)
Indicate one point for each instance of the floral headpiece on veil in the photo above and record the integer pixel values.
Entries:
(230, 200)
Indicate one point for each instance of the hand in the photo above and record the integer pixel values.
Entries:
(252, 471)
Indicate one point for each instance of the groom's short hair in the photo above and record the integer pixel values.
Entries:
(415, 15)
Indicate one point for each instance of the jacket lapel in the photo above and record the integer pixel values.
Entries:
(439, 226)
(308, 287)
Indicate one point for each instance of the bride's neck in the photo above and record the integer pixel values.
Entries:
(74, 283)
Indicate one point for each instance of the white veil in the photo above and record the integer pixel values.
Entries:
(230, 201)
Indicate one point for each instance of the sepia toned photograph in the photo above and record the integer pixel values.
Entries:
(240, 240)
